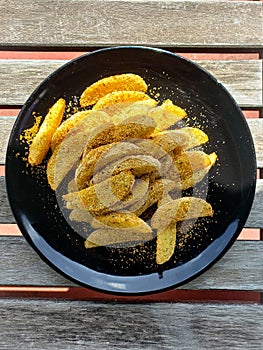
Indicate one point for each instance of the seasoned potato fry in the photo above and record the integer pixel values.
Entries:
(100, 198)
(42, 141)
(139, 108)
(102, 87)
(100, 157)
(180, 209)
(116, 238)
(191, 167)
(66, 126)
(80, 215)
(179, 140)
(138, 164)
(126, 221)
(140, 127)
(166, 115)
(118, 97)
(67, 153)
(165, 244)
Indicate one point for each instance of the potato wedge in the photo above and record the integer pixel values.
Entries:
(42, 141)
(115, 238)
(68, 152)
(190, 167)
(125, 220)
(165, 244)
(102, 87)
(166, 115)
(138, 164)
(180, 209)
(100, 157)
(99, 199)
(118, 97)
(66, 126)
(179, 140)
(139, 108)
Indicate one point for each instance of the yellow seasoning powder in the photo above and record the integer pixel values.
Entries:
(29, 134)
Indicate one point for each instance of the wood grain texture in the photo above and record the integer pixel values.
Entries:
(20, 265)
(77, 23)
(243, 79)
(77, 325)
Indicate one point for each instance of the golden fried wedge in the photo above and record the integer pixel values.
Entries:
(42, 141)
(131, 128)
(66, 126)
(133, 110)
(116, 238)
(180, 209)
(166, 241)
(100, 157)
(138, 164)
(99, 199)
(118, 97)
(166, 115)
(102, 87)
(126, 221)
(80, 215)
(191, 167)
(180, 139)
(67, 153)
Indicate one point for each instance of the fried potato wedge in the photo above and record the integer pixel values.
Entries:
(166, 115)
(115, 238)
(179, 140)
(139, 108)
(138, 127)
(180, 209)
(67, 153)
(100, 198)
(81, 215)
(165, 244)
(102, 87)
(100, 157)
(42, 141)
(118, 97)
(125, 221)
(138, 164)
(66, 126)
(191, 167)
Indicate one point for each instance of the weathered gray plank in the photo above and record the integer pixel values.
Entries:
(255, 125)
(255, 219)
(84, 325)
(243, 79)
(78, 23)
(20, 265)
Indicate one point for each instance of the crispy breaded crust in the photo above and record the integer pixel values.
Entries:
(66, 126)
(115, 237)
(102, 87)
(100, 198)
(42, 141)
(118, 97)
(180, 209)
(166, 115)
(121, 220)
(165, 244)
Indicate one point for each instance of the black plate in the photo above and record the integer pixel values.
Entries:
(229, 188)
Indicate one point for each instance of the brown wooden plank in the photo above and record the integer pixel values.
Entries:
(75, 23)
(20, 265)
(66, 325)
(242, 78)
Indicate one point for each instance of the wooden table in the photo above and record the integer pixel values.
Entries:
(222, 309)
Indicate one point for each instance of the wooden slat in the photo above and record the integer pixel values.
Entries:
(20, 265)
(75, 23)
(20, 77)
(255, 125)
(79, 325)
